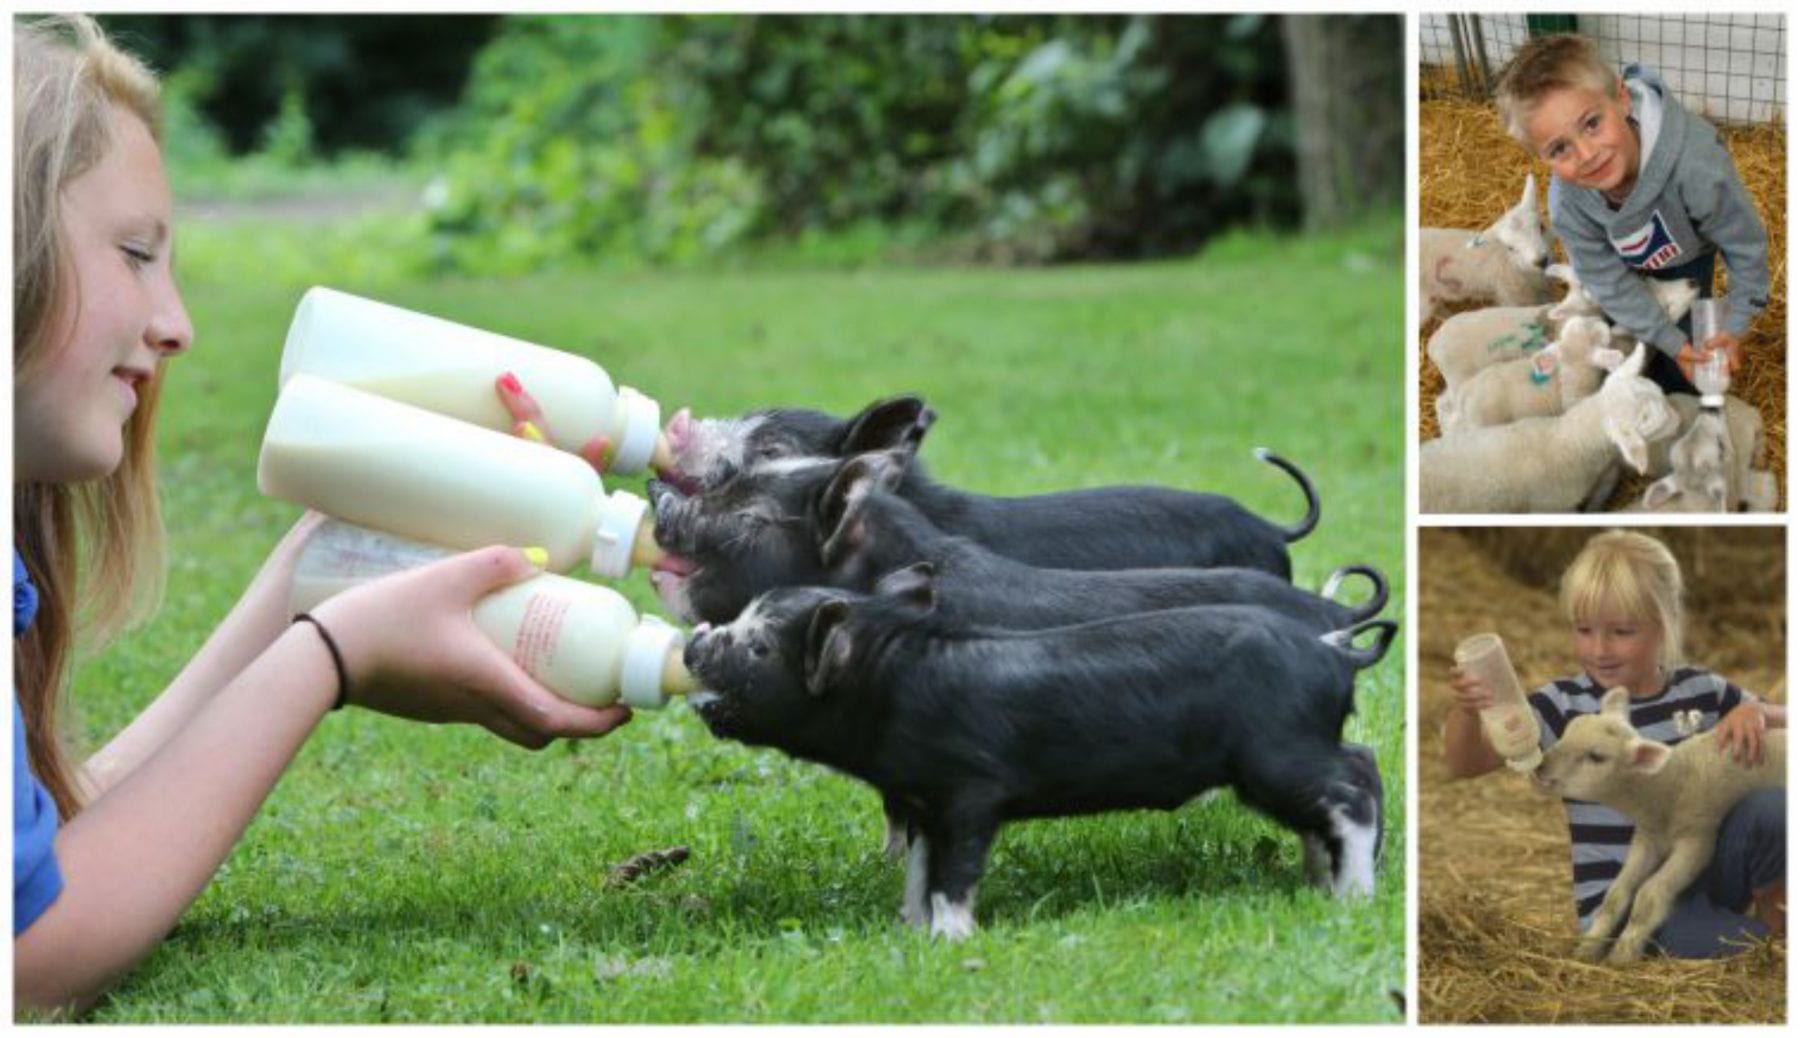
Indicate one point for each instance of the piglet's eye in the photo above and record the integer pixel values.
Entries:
(758, 650)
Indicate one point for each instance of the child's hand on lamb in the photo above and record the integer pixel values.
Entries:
(528, 422)
(1470, 693)
(1741, 733)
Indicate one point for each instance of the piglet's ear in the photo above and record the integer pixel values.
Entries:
(827, 645)
(897, 422)
(1647, 757)
(916, 585)
(1616, 703)
(839, 509)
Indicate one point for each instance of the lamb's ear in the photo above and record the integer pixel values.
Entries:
(1631, 445)
(1647, 756)
(1634, 363)
(828, 645)
(1606, 358)
(841, 528)
(897, 422)
(916, 585)
(1661, 492)
(1716, 492)
(1616, 703)
(1529, 196)
(1566, 307)
(1561, 272)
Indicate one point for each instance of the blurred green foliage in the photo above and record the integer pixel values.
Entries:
(1022, 138)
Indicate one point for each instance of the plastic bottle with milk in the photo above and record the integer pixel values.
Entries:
(399, 468)
(582, 641)
(1509, 724)
(450, 368)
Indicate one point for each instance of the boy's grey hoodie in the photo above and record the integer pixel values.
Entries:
(1688, 201)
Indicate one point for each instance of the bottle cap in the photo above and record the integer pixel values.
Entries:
(641, 425)
(647, 647)
(1712, 401)
(621, 513)
(1528, 763)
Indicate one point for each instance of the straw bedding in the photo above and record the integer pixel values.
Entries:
(1470, 171)
(1496, 919)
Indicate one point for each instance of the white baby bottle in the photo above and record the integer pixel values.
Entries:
(1712, 373)
(1510, 725)
(450, 368)
(395, 467)
(582, 641)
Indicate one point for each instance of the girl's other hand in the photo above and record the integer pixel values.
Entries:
(1740, 734)
(528, 422)
(1470, 693)
(412, 650)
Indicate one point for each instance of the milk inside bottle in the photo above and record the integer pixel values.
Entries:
(395, 467)
(1509, 724)
(450, 368)
(582, 641)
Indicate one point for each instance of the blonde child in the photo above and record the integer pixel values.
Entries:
(1622, 597)
(1639, 186)
(109, 852)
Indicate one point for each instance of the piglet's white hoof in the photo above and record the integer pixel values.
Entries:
(951, 921)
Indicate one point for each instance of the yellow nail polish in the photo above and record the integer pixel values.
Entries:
(531, 432)
(538, 557)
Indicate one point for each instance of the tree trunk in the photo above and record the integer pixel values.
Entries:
(1346, 77)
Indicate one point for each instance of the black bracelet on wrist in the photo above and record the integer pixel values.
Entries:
(337, 659)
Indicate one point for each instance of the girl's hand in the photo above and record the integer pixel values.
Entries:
(412, 650)
(528, 422)
(1469, 692)
(1740, 734)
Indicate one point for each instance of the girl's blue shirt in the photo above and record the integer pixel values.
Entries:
(37, 879)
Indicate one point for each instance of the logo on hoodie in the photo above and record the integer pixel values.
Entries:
(1650, 247)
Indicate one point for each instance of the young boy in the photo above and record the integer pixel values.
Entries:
(1638, 187)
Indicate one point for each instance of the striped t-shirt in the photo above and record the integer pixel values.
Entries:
(1598, 835)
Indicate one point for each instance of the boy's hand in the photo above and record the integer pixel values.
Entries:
(1740, 734)
(1469, 692)
(1734, 350)
(528, 422)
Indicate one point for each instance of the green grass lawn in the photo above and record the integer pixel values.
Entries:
(409, 873)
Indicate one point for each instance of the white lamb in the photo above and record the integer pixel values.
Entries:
(1675, 796)
(1554, 464)
(1475, 339)
(1502, 264)
(1685, 474)
(1548, 382)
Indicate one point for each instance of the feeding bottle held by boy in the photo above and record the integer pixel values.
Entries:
(1509, 724)
(411, 472)
(450, 369)
(582, 641)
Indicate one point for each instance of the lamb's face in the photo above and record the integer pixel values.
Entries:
(1584, 340)
(1589, 759)
(1521, 230)
(1634, 411)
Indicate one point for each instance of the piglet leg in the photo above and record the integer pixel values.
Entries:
(957, 856)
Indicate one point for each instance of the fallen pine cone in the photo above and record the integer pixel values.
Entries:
(631, 868)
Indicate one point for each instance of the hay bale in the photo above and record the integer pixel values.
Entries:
(1470, 172)
(1496, 919)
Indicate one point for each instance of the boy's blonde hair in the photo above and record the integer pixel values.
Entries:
(94, 549)
(1634, 574)
(1559, 61)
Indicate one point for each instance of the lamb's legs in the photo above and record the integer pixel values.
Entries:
(1640, 861)
(1687, 860)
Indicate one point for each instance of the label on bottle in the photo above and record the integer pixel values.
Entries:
(540, 630)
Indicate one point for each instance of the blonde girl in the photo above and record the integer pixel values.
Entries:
(1622, 597)
(110, 850)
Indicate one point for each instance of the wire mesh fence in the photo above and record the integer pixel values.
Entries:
(1731, 68)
